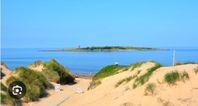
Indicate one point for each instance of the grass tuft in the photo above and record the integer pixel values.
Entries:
(184, 76)
(108, 71)
(196, 70)
(137, 65)
(172, 77)
(59, 72)
(124, 80)
(145, 77)
(3, 87)
(94, 84)
(36, 83)
(150, 88)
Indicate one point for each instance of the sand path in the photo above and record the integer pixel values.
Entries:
(56, 98)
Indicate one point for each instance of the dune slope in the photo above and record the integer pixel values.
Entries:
(119, 89)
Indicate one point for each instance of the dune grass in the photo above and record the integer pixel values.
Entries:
(150, 88)
(105, 72)
(36, 83)
(196, 70)
(51, 75)
(136, 65)
(58, 71)
(124, 80)
(184, 76)
(5, 98)
(108, 71)
(145, 77)
(94, 84)
(55, 72)
(3, 87)
(172, 77)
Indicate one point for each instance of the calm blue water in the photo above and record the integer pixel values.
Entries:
(84, 62)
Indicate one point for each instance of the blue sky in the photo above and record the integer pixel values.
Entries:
(69, 23)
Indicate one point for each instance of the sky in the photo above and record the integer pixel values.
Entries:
(69, 23)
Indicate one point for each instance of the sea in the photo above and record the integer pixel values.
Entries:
(92, 62)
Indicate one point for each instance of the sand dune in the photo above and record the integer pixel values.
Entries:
(56, 98)
(184, 93)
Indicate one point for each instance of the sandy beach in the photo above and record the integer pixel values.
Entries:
(56, 98)
(184, 93)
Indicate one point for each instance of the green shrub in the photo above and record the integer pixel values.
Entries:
(51, 75)
(3, 87)
(10, 80)
(124, 80)
(150, 88)
(172, 77)
(3, 98)
(55, 68)
(145, 77)
(107, 71)
(6, 100)
(36, 83)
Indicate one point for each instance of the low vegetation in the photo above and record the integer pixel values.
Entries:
(145, 77)
(196, 70)
(5, 98)
(180, 63)
(52, 76)
(124, 80)
(36, 83)
(184, 76)
(94, 84)
(172, 77)
(55, 72)
(65, 75)
(107, 49)
(108, 71)
(150, 88)
(105, 72)
(3, 87)
(136, 65)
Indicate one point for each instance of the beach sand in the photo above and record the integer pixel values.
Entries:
(55, 98)
(184, 93)
(106, 94)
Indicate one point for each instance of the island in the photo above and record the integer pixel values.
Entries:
(102, 49)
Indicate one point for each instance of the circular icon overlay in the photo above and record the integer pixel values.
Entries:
(17, 89)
